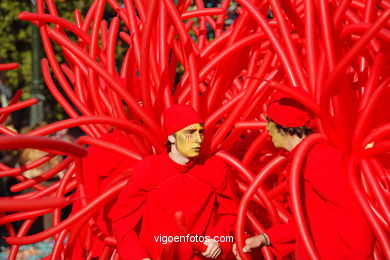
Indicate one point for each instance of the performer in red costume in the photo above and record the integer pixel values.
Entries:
(177, 183)
(337, 225)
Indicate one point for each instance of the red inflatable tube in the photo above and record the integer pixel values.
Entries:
(133, 104)
(61, 100)
(238, 110)
(254, 148)
(259, 18)
(377, 134)
(246, 199)
(134, 30)
(61, 193)
(42, 177)
(248, 176)
(22, 232)
(375, 225)
(121, 11)
(379, 148)
(45, 18)
(21, 169)
(109, 147)
(250, 125)
(20, 142)
(58, 245)
(18, 106)
(85, 212)
(46, 191)
(222, 56)
(351, 55)
(290, 47)
(327, 31)
(296, 202)
(202, 12)
(11, 205)
(372, 80)
(151, 17)
(123, 124)
(9, 66)
(14, 100)
(93, 49)
(363, 122)
(383, 33)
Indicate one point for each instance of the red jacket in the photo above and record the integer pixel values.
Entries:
(157, 189)
(338, 226)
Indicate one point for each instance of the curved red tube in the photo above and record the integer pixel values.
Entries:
(296, 167)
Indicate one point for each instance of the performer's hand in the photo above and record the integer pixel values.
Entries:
(213, 249)
(250, 243)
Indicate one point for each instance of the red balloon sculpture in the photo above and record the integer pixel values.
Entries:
(337, 51)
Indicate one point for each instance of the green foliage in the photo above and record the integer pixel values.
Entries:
(15, 43)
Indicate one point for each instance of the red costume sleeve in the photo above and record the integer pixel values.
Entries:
(127, 213)
(227, 205)
(282, 233)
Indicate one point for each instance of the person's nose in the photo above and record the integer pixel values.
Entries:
(198, 137)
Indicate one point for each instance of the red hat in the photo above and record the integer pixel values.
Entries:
(287, 112)
(177, 117)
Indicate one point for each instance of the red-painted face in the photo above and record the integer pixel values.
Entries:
(189, 140)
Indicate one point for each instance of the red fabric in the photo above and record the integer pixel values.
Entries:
(286, 111)
(156, 190)
(100, 167)
(176, 117)
(338, 226)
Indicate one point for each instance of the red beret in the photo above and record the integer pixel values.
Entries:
(177, 117)
(286, 111)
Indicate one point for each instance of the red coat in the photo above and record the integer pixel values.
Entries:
(338, 226)
(157, 189)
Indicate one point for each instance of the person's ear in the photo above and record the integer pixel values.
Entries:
(171, 139)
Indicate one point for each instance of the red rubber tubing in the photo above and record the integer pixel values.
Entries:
(58, 245)
(238, 109)
(18, 106)
(241, 215)
(133, 104)
(21, 169)
(295, 172)
(42, 177)
(254, 148)
(9, 66)
(110, 147)
(378, 193)
(248, 176)
(259, 18)
(20, 142)
(22, 231)
(363, 121)
(341, 66)
(148, 24)
(310, 44)
(250, 125)
(11, 205)
(362, 202)
(123, 124)
(290, 47)
(327, 31)
(89, 209)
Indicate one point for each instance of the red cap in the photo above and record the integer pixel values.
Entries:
(177, 117)
(287, 112)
